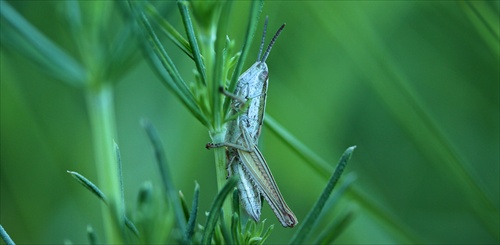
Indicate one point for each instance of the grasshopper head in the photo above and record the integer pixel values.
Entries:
(262, 71)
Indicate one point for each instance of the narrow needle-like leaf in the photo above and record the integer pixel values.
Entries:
(164, 65)
(25, 38)
(183, 7)
(6, 238)
(215, 210)
(312, 217)
(218, 78)
(194, 212)
(322, 168)
(130, 225)
(165, 174)
(89, 185)
(120, 176)
(169, 30)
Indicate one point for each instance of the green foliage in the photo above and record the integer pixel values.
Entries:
(252, 233)
(413, 84)
(313, 216)
(215, 211)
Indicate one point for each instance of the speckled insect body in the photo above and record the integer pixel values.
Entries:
(244, 158)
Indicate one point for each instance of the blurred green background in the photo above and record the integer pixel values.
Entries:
(414, 84)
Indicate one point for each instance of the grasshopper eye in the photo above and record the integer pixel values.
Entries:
(263, 76)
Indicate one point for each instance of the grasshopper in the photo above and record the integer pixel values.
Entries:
(244, 158)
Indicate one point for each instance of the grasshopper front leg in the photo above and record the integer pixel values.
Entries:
(247, 146)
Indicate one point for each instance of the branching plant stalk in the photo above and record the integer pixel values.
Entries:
(103, 126)
(210, 37)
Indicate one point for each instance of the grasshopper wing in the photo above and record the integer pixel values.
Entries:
(258, 171)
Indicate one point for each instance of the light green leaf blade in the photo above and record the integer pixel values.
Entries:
(89, 185)
(17, 33)
(215, 210)
(313, 215)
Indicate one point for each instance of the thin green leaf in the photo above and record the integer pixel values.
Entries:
(89, 185)
(332, 231)
(322, 168)
(235, 219)
(334, 199)
(394, 88)
(217, 237)
(236, 202)
(185, 209)
(91, 235)
(188, 25)
(128, 222)
(130, 225)
(73, 15)
(218, 79)
(122, 54)
(164, 66)
(253, 19)
(164, 170)
(19, 34)
(120, 176)
(6, 238)
(235, 227)
(194, 212)
(312, 217)
(346, 183)
(229, 60)
(267, 233)
(226, 234)
(255, 240)
(163, 56)
(215, 210)
(189, 101)
(169, 30)
(166, 70)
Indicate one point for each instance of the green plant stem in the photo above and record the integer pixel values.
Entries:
(221, 172)
(103, 127)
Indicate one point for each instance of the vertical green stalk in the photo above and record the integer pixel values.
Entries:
(220, 170)
(218, 80)
(211, 37)
(103, 127)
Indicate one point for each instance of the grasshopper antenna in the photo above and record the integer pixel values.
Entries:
(263, 39)
(268, 50)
